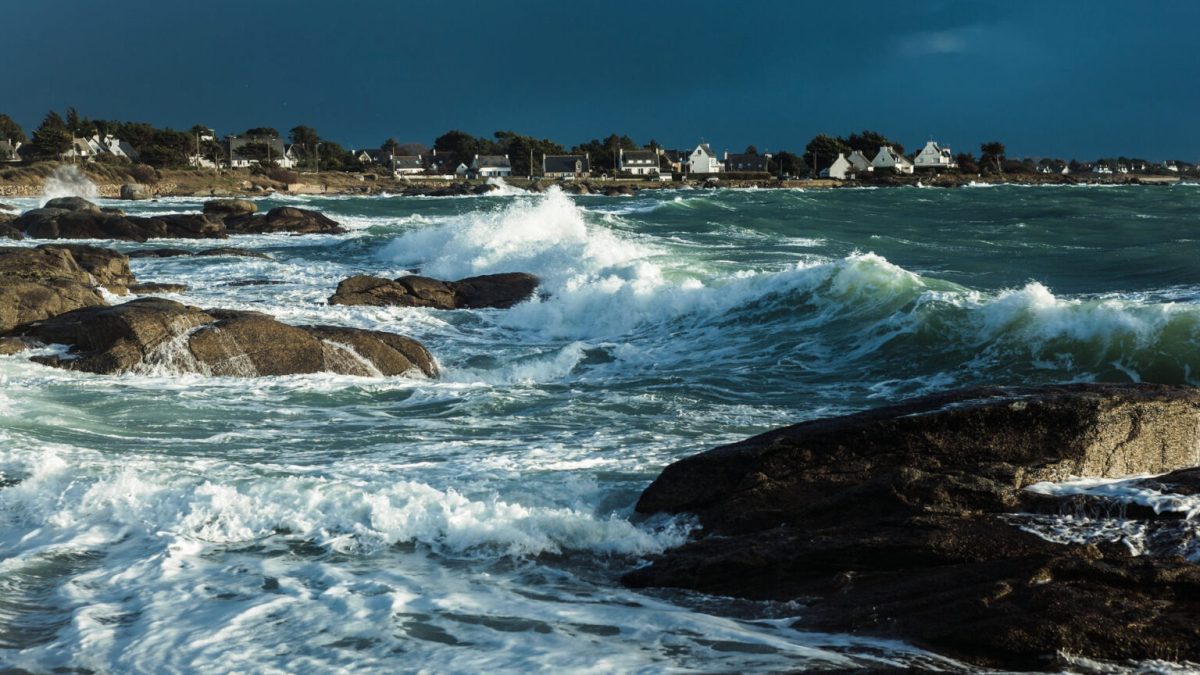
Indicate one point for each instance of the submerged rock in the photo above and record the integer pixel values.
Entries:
(150, 333)
(180, 252)
(38, 283)
(491, 290)
(893, 522)
(152, 288)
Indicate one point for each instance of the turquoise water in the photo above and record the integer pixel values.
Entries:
(161, 521)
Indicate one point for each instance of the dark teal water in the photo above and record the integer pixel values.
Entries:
(162, 521)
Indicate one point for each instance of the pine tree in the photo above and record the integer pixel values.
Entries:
(52, 138)
(10, 130)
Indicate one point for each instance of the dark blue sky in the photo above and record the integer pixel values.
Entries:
(1071, 79)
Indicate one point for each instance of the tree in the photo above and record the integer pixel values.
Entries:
(823, 149)
(868, 142)
(991, 156)
(10, 130)
(966, 162)
(73, 122)
(304, 136)
(263, 132)
(520, 149)
(138, 134)
(751, 150)
(168, 148)
(412, 149)
(787, 164)
(52, 138)
(461, 146)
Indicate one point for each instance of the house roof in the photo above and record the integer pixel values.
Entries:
(408, 161)
(492, 161)
(639, 155)
(743, 158)
(704, 147)
(565, 163)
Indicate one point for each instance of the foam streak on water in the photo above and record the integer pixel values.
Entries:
(169, 520)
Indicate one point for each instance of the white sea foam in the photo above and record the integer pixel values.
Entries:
(68, 181)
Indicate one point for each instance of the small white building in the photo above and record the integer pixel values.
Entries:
(840, 169)
(566, 166)
(1101, 168)
(1171, 166)
(638, 162)
(491, 166)
(860, 162)
(933, 156)
(9, 150)
(407, 165)
(890, 159)
(703, 160)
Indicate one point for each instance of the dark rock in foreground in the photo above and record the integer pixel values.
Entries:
(151, 333)
(38, 283)
(892, 522)
(491, 290)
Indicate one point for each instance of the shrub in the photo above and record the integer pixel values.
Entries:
(144, 173)
(282, 175)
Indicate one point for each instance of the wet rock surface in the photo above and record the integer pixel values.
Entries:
(491, 290)
(150, 333)
(282, 219)
(38, 283)
(182, 252)
(897, 522)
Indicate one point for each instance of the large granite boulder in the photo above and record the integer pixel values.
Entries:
(283, 219)
(135, 191)
(901, 522)
(72, 204)
(38, 283)
(7, 231)
(491, 290)
(221, 209)
(157, 335)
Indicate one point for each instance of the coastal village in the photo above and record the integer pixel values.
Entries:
(302, 159)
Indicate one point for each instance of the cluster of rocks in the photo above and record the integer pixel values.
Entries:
(54, 294)
(900, 522)
(77, 218)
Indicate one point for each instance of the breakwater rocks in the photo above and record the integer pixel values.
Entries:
(76, 218)
(490, 290)
(150, 333)
(903, 522)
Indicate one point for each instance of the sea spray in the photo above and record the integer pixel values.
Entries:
(68, 181)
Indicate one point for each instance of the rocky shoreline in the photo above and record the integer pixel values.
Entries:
(913, 522)
(53, 294)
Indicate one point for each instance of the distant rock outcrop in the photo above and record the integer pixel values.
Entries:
(491, 290)
(153, 333)
(281, 219)
(899, 522)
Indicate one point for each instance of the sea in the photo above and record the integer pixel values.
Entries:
(161, 521)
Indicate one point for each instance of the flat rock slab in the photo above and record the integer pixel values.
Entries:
(492, 290)
(208, 252)
(157, 335)
(893, 522)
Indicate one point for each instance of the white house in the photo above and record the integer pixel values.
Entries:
(859, 161)
(890, 159)
(9, 150)
(491, 166)
(1171, 166)
(638, 162)
(704, 160)
(407, 165)
(840, 169)
(1102, 168)
(932, 156)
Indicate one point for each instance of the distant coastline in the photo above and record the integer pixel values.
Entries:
(28, 181)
